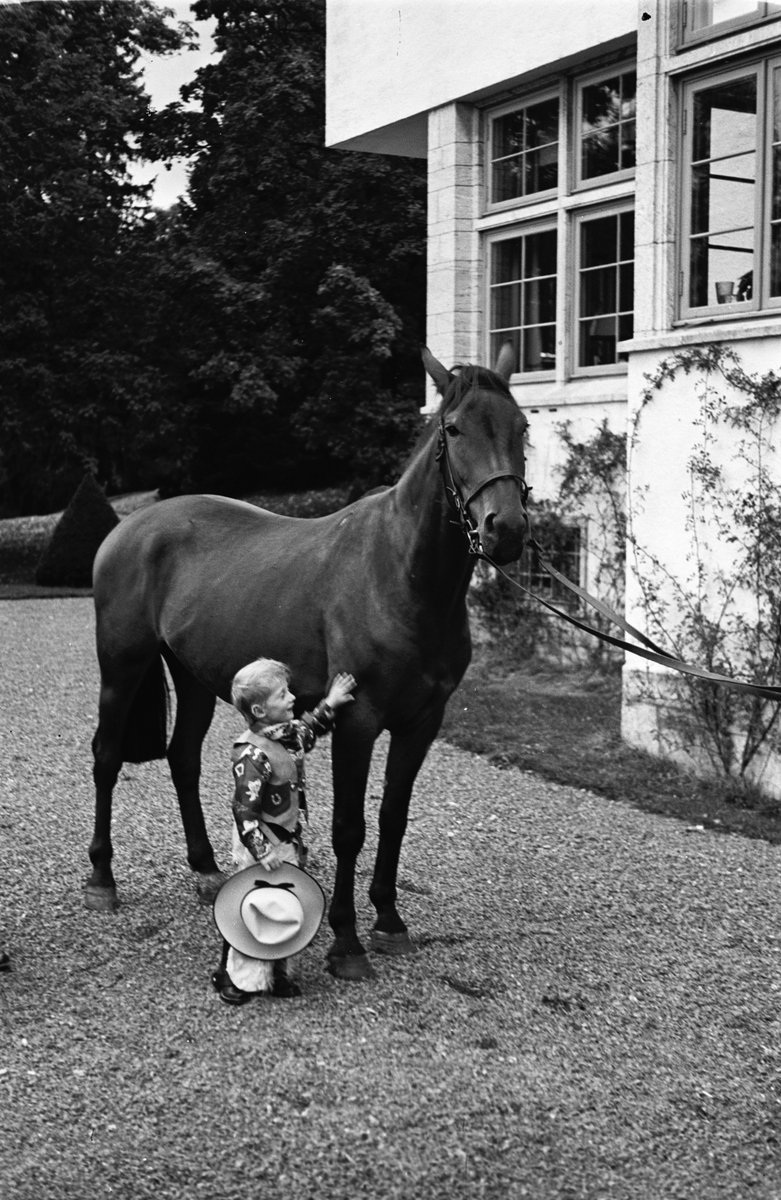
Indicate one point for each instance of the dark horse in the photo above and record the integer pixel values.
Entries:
(377, 589)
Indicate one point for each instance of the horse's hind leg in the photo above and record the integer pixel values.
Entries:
(407, 751)
(117, 692)
(194, 712)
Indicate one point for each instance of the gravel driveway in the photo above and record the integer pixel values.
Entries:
(594, 1011)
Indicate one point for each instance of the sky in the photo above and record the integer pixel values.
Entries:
(163, 78)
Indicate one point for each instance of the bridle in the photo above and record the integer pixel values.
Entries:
(459, 502)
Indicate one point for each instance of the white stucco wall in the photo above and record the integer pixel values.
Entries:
(388, 62)
(659, 490)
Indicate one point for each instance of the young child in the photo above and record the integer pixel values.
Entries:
(270, 800)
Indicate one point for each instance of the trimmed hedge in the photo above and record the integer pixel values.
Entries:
(68, 557)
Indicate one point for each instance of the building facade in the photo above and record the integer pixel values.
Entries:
(605, 193)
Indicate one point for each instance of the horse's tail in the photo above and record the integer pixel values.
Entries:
(145, 736)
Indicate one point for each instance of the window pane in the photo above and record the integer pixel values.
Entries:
(713, 12)
(606, 274)
(719, 266)
(508, 259)
(626, 287)
(598, 342)
(506, 306)
(541, 253)
(602, 104)
(539, 348)
(724, 120)
(628, 145)
(542, 169)
(598, 241)
(608, 126)
(508, 134)
(626, 223)
(507, 182)
(626, 326)
(598, 291)
(600, 153)
(542, 123)
(525, 151)
(775, 260)
(540, 301)
(523, 299)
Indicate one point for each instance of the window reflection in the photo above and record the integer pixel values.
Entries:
(525, 151)
(523, 299)
(706, 13)
(723, 189)
(608, 126)
(607, 251)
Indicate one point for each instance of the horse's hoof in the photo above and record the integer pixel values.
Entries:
(101, 899)
(392, 943)
(355, 967)
(207, 886)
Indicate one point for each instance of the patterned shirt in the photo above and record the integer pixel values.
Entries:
(270, 781)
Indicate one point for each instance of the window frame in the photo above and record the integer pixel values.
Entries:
(578, 183)
(578, 218)
(761, 301)
(541, 224)
(693, 37)
(550, 93)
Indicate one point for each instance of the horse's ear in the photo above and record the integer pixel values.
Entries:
(505, 361)
(441, 376)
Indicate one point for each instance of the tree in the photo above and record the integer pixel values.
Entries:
(73, 114)
(330, 243)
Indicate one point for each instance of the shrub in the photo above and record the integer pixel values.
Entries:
(68, 557)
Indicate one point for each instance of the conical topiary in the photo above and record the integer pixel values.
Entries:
(70, 552)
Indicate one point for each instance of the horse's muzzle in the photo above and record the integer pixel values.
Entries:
(504, 536)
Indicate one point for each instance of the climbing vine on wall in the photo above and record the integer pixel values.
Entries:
(726, 618)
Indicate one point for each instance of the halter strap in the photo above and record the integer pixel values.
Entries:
(454, 493)
(489, 479)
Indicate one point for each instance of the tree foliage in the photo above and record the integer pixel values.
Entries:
(263, 332)
(73, 114)
(332, 245)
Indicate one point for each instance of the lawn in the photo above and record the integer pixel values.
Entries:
(566, 726)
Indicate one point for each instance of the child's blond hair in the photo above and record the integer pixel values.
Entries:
(254, 684)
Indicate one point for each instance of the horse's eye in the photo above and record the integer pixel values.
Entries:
(452, 431)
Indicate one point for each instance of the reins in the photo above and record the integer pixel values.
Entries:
(648, 649)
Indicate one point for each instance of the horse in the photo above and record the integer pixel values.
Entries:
(378, 589)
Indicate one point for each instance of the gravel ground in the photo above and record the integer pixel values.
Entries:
(593, 1013)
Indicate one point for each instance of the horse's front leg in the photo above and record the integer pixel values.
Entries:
(353, 740)
(405, 757)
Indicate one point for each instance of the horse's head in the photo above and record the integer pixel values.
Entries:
(482, 433)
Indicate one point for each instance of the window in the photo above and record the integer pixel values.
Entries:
(606, 126)
(731, 252)
(710, 18)
(564, 549)
(523, 299)
(606, 251)
(525, 151)
(559, 227)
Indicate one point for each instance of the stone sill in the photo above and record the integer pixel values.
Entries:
(703, 333)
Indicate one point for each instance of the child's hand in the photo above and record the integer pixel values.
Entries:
(270, 860)
(340, 689)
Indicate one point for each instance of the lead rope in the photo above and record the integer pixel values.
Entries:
(648, 649)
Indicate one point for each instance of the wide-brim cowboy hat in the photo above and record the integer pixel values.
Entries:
(269, 914)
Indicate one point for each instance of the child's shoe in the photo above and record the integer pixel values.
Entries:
(229, 993)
